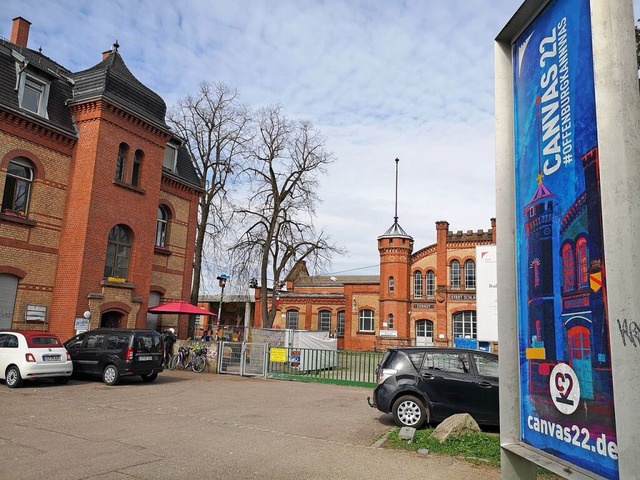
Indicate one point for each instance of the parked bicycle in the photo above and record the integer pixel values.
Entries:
(194, 358)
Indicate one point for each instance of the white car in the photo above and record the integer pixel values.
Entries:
(26, 355)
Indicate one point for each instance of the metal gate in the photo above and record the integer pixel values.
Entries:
(241, 358)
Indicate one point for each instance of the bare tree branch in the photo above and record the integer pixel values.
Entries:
(216, 131)
(285, 161)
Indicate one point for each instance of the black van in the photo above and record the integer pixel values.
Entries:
(116, 352)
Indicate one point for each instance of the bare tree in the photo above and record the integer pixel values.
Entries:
(216, 129)
(285, 162)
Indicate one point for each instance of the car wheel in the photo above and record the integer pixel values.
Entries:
(409, 411)
(61, 380)
(110, 375)
(150, 377)
(199, 364)
(13, 377)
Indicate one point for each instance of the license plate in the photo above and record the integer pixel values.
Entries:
(144, 358)
(51, 358)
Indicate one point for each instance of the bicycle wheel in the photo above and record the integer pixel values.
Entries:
(198, 364)
(174, 362)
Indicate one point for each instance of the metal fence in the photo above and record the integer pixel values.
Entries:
(341, 367)
(241, 358)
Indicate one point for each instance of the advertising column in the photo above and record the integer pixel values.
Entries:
(567, 401)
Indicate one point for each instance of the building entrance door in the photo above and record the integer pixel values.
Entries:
(424, 333)
(112, 319)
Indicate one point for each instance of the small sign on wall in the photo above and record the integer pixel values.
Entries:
(81, 324)
(35, 313)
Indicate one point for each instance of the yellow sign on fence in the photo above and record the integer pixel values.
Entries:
(278, 355)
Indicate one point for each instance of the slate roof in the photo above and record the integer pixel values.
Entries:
(112, 80)
(185, 168)
(395, 231)
(42, 66)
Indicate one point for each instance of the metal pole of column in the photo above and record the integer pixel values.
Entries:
(222, 281)
(220, 308)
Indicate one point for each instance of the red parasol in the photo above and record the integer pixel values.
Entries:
(180, 307)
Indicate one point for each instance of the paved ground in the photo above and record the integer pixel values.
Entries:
(202, 426)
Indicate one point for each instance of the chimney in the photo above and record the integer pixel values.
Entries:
(106, 54)
(20, 31)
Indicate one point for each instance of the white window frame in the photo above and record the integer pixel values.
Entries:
(36, 83)
(430, 283)
(469, 275)
(17, 179)
(324, 321)
(162, 224)
(366, 320)
(465, 324)
(169, 161)
(418, 288)
(454, 274)
(291, 314)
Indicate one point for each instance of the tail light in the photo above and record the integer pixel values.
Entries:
(68, 357)
(129, 355)
(29, 357)
(384, 373)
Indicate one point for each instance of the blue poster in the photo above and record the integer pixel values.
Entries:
(567, 405)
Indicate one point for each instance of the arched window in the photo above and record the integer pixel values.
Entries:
(464, 324)
(391, 285)
(135, 172)
(390, 321)
(324, 320)
(292, 319)
(454, 274)
(121, 162)
(417, 284)
(365, 320)
(568, 269)
(161, 226)
(431, 284)
(118, 252)
(17, 187)
(470, 275)
(582, 262)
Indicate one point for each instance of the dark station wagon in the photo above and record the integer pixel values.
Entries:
(116, 352)
(419, 385)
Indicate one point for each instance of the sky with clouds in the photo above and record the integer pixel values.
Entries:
(411, 79)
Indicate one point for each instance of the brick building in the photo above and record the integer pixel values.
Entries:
(427, 297)
(99, 198)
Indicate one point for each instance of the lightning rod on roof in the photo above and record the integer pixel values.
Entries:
(395, 218)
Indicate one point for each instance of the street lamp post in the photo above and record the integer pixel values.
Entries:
(222, 281)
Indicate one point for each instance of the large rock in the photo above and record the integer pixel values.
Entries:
(455, 425)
